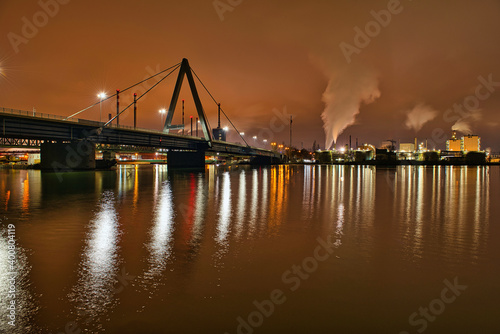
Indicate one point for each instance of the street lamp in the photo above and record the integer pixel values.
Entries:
(101, 96)
(162, 111)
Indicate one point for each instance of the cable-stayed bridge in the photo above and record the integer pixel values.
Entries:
(65, 139)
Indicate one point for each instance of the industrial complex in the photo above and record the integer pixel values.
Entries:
(463, 150)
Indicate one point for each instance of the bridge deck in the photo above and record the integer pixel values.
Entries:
(21, 124)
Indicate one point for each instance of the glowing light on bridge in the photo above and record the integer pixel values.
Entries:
(162, 112)
(101, 96)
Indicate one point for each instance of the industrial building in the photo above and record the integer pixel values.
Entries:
(471, 143)
(468, 143)
(406, 147)
(454, 144)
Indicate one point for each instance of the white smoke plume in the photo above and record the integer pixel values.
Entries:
(343, 97)
(419, 115)
(464, 125)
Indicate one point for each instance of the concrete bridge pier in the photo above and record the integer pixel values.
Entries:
(186, 159)
(108, 155)
(68, 156)
(264, 160)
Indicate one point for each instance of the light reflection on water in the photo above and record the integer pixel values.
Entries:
(204, 233)
(242, 201)
(161, 235)
(99, 267)
(224, 219)
(199, 211)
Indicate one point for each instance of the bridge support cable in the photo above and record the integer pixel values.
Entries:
(124, 90)
(136, 100)
(218, 104)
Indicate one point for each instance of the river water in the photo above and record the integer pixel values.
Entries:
(282, 249)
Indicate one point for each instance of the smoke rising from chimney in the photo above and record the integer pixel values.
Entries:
(345, 93)
(464, 125)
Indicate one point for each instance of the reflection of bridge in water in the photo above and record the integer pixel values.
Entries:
(70, 143)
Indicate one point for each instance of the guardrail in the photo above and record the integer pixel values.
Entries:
(64, 118)
(30, 113)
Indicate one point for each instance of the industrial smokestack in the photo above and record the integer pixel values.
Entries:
(135, 110)
(117, 107)
(218, 116)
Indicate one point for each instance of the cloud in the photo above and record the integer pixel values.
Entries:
(419, 115)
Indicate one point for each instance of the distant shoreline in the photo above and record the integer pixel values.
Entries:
(403, 163)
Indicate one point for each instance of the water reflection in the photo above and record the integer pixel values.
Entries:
(95, 291)
(222, 225)
(20, 190)
(161, 234)
(254, 205)
(127, 178)
(456, 199)
(136, 189)
(265, 191)
(242, 201)
(308, 192)
(278, 201)
(199, 212)
(224, 210)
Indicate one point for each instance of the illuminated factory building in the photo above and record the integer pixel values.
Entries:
(454, 144)
(406, 147)
(471, 143)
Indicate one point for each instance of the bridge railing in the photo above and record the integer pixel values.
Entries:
(74, 120)
(59, 117)
(30, 113)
